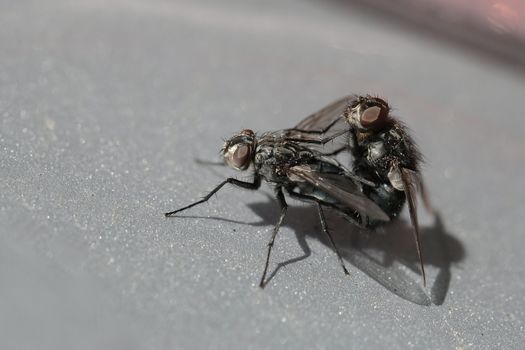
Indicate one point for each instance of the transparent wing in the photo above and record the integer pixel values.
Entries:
(341, 188)
(412, 184)
(326, 128)
(326, 119)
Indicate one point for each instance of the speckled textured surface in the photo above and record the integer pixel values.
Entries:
(106, 105)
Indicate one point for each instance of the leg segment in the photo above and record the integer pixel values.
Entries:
(316, 139)
(248, 185)
(316, 132)
(351, 175)
(284, 207)
(325, 229)
(304, 197)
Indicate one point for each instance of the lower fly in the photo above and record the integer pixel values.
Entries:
(302, 172)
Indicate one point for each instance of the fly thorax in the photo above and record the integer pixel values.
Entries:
(262, 154)
(280, 171)
(283, 154)
(376, 150)
(305, 156)
(263, 161)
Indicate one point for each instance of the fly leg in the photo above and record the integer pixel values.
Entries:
(325, 229)
(317, 140)
(315, 132)
(347, 172)
(284, 207)
(324, 226)
(248, 185)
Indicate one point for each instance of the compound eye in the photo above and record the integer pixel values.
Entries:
(371, 116)
(238, 156)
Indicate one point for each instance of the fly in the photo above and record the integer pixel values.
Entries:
(302, 172)
(383, 153)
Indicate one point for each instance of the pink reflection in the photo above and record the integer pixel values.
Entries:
(502, 16)
(505, 18)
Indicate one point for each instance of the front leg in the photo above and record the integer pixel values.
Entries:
(284, 207)
(248, 185)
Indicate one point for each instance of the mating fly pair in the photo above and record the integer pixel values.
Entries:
(299, 162)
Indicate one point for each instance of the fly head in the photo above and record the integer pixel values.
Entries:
(368, 113)
(239, 150)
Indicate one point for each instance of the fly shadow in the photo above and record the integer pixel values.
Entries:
(385, 254)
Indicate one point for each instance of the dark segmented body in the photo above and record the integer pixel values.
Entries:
(376, 155)
(385, 158)
(274, 155)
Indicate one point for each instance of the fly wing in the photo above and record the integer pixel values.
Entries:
(324, 119)
(411, 184)
(339, 187)
(322, 127)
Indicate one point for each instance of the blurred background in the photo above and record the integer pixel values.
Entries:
(106, 105)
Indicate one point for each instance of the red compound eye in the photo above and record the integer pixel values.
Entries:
(239, 156)
(370, 116)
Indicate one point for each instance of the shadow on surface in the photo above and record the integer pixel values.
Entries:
(384, 255)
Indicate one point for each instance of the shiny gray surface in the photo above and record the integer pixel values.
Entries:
(104, 108)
